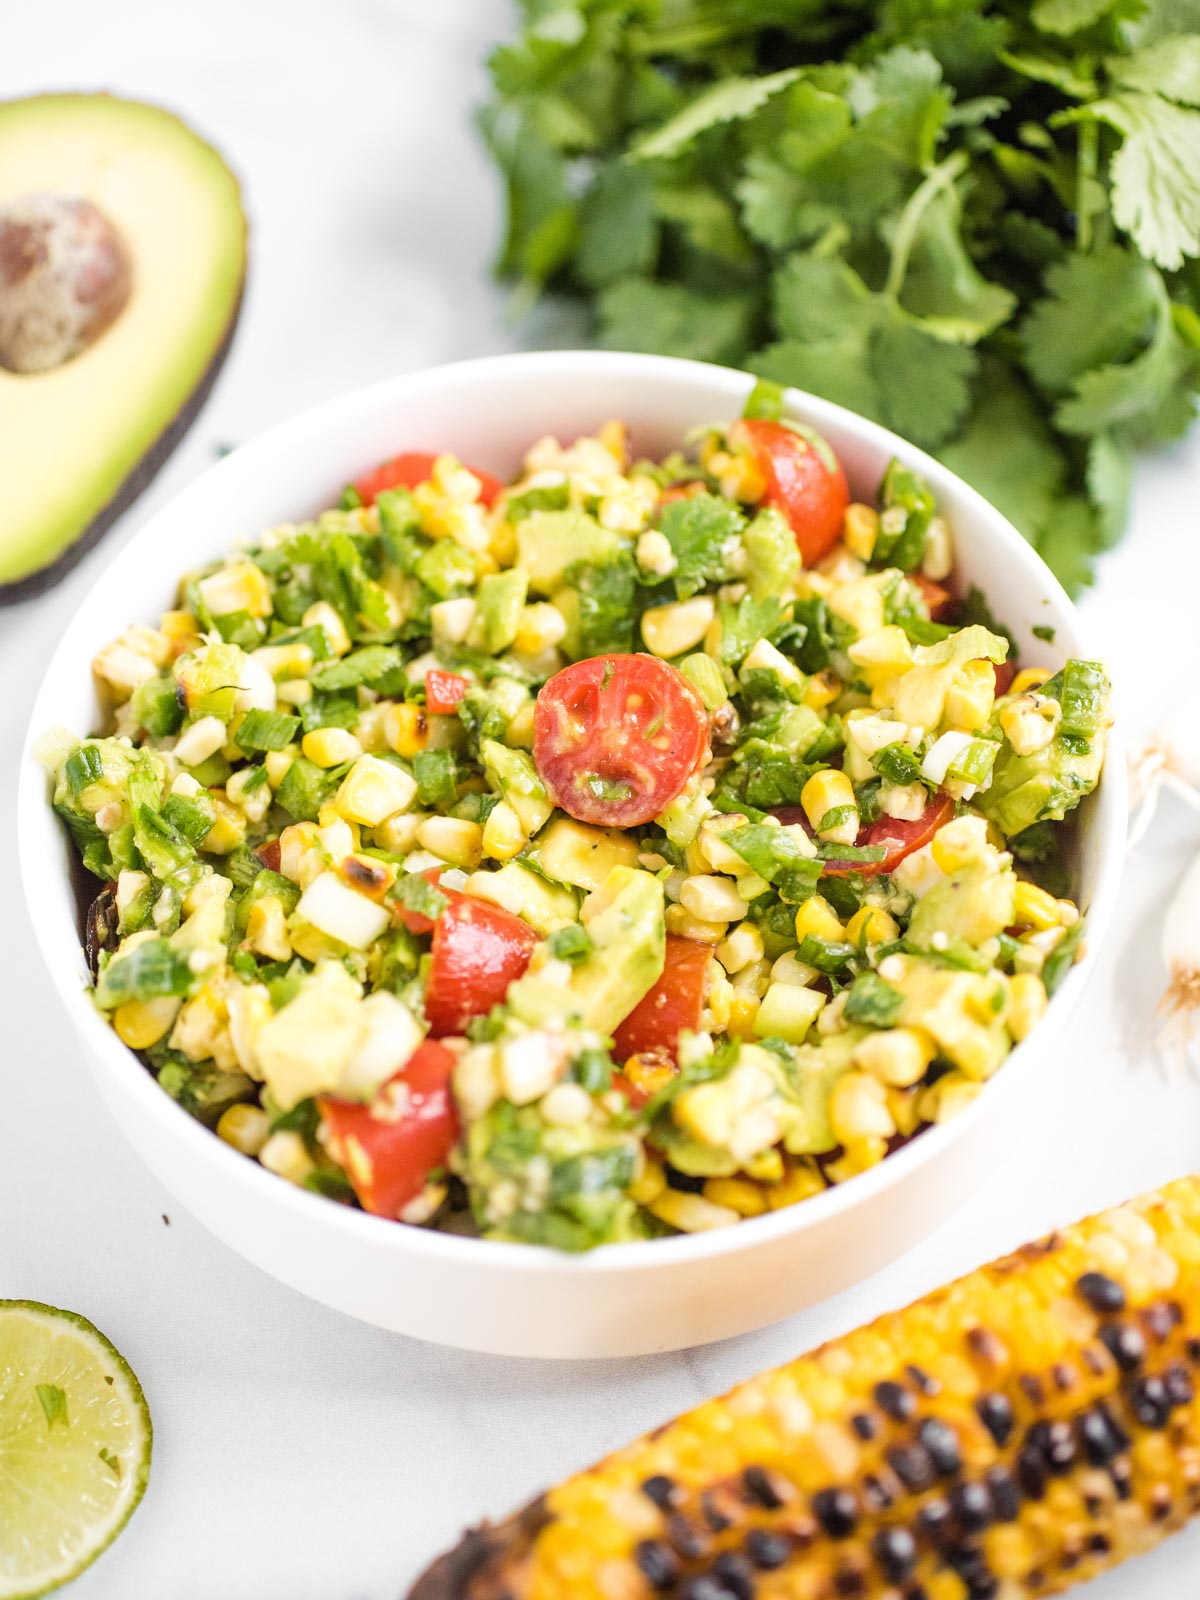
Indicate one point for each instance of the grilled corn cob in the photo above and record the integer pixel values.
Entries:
(1008, 1436)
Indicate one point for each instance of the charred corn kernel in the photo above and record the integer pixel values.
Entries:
(690, 1213)
(1034, 908)
(266, 929)
(372, 790)
(541, 625)
(882, 654)
(322, 615)
(671, 630)
(860, 529)
(743, 1012)
(872, 925)
(141, 1023)
(859, 1156)
(829, 793)
(817, 917)
(286, 1154)
(958, 843)
(742, 946)
(858, 1109)
(684, 925)
(1027, 1004)
(503, 836)
(329, 747)
(650, 1182)
(229, 829)
(180, 630)
(649, 1073)
(1029, 678)
(246, 1128)
(406, 728)
(970, 696)
(898, 1057)
(1029, 721)
(821, 690)
(737, 1194)
(278, 762)
(712, 898)
(801, 1180)
(242, 586)
(455, 840)
(989, 1371)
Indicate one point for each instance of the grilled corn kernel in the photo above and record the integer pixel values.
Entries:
(801, 1180)
(858, 1109)
(821, 690)
(141, 1023)
(859, 1156)
(203, 739)
(871, 925)
(898, 1057)
(541, 625)
(655, 555)
(860, 529)
(743, 1012)
(398, 834)
(712, 898)
(650, 1182)
(937, 559)
(322, 615)
(228, 831)
(240, 587)
(455, 840)
(882, 654)
(503, 836)
(329, 747)
(180, 630)
(406, 728)
(690, 1213)
(742, 946)
(948, 1097)
(1029, 678)
(1034, 908)
(671, 630)
(266, 929)
(828, 797)
(1027, 1004)
(450, 620)
(860, 603)
(372, 791)
(817, 917)
(1030, 721)
(970, 696)
(790, 969)
(294, 692)
(277, 763)
(286, 1154)
(738, 1194)
(246, 1128)
(684, 925)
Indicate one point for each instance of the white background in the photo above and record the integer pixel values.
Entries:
(299, 1455)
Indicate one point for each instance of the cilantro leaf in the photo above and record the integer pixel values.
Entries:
(1155, 173)
(699, 530)
(729, 101)
(669, 318)
(1097, 308)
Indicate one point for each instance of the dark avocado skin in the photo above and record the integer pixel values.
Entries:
(143, 474)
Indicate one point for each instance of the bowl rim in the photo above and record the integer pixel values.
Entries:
(108, 1055)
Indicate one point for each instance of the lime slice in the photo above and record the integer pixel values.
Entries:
(74, 1446)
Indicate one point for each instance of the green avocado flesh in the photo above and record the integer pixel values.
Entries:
(79, 441)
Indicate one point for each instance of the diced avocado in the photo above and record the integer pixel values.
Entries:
(773, 554)
(818, 1068)
(972, 904)
(1046, 784)
(548, 542)
(513, 773)
(544, 906)
(628, 950)
(446, 568)
(572, 852)
(946, 1004)
(499, 601)
(306, 1047)
(176, 233)
(921, 691)
(716, 1126)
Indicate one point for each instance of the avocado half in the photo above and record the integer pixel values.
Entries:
(80, 441)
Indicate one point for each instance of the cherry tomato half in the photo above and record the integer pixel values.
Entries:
(616, 738)
(899, 838)
(417, 921)
(443, 691)
(811, 493)
(390, 1147)
(478, 950)
(672, 1006)
(409, 469)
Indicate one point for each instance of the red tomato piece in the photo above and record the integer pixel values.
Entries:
(1005, 672)
(684, 489)
(672, 1006)
(898, 838)
(478, 950)
(390, 1147)
(804, 480)
(616, 738)
(411, 468)
(268, 854)
(417, 921)
(443, 691)
(937, 598)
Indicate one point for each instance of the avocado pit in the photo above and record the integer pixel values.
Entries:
(65, 276)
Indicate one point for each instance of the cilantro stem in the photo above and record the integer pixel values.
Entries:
(939, 179)
(1089, 154)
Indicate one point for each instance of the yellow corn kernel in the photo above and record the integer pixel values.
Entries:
(743, 1013)
(181, 631)
(718, 1001)
(958, 843)
(858, 1109)
(519, 733)
(742, 946)
(541, 625)
(766, 1167)
(1030, 721)
(329, 747)
(740, 1195)
(682, 923)
(277, 763)
(454, 839)
(141, 1023)
(691, 1213)
(1029, 678)
(897, 1057)
(860, 529)
(818, 918)
(650, 1182)
(902, 1103)
(801, 1180)
(860, 1155)
(247, 1128)
(266, 929)
(322, 615)
(503, 836)
(242, 586)
(406, 728)
(649, 1073)
(970, 696)
(1034, 908)
(712, 898)
(882, 654)
(860, 603)
(821, 690)
(229, 829)
(672, 629)
(948, 1097)
(286, 1154)
(285, 662)
(398, 835)
(373, 790)
(987, 1000)
(826, 791)
(871, 925)
(1027, 1004)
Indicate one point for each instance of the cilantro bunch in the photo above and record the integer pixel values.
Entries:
(973, 220)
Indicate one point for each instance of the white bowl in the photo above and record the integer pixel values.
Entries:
(623, 1299)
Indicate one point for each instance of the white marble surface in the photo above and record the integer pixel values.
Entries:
(298, 1455)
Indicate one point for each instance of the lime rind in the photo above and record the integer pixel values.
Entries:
(67, 1485)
